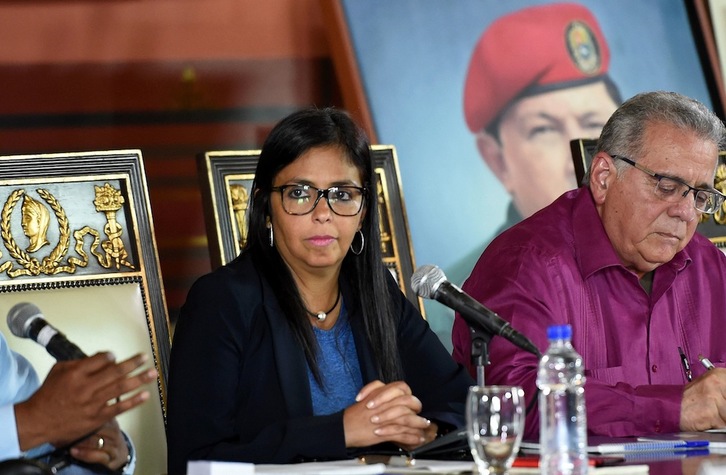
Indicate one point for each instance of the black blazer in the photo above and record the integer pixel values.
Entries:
(238, 381)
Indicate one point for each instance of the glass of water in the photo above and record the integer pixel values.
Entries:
(494, 424)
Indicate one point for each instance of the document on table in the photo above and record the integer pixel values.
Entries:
(611, 470)
(337, 467)
(340, 467)
(209, 467)
(355, 467)
(716, 440)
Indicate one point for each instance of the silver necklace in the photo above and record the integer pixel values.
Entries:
(321, 316)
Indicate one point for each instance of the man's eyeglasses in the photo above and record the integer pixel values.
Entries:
(673, 190)
(301, 199)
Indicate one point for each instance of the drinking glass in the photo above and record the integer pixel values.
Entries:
(494, 425)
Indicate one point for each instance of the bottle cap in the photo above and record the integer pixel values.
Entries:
(559, 332)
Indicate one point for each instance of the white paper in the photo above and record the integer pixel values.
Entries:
(206, 467)
(339, 467)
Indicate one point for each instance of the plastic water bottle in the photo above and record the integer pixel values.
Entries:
(563, 422)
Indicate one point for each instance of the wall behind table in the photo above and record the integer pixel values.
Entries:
(170, 77)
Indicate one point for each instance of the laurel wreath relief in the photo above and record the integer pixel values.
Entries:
(107, 253)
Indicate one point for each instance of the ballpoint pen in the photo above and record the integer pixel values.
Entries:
(706, 362)
(649, 446)
(686, 364)
(641, 445)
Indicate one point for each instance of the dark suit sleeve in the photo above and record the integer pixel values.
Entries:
(225, 399)
(434, 377)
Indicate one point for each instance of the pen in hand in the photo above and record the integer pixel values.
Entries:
(706, 362)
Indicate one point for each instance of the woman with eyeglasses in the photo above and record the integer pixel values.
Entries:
(304, 348)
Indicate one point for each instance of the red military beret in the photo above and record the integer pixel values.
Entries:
(532, 50)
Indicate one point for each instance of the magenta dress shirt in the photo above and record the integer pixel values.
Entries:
(559, 267)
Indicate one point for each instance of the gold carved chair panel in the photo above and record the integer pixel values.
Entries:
(78, 242)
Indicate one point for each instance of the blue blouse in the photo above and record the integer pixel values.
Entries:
(339, 368)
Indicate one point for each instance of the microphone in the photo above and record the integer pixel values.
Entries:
(26, 321)
(430, 282)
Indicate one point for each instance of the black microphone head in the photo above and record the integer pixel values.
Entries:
(426, 280)
(20, 317)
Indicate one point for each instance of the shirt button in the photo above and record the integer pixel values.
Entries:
(654, 368)
(657, 426)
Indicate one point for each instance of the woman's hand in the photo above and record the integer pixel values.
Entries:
(386, 413)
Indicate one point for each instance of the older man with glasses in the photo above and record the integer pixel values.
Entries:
(620, 261)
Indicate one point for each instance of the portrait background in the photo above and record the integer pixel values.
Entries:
(413, 56)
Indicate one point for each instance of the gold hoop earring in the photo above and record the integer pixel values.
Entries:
(362, 244)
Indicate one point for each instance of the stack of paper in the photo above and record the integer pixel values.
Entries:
(342, 467)
(205, 467)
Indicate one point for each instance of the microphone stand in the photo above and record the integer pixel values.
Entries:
(480, 339)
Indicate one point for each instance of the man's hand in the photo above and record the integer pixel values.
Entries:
(80, 396)
(386, 413)
(704, 402)
(106, 447)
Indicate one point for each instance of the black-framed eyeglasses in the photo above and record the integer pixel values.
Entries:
(299, 199)
(673, 190)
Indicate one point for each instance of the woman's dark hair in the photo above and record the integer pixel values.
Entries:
(289, 139)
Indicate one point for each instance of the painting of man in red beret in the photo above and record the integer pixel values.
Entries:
(538, 78)
(482, 97)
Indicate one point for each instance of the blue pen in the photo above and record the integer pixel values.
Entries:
(660, 455)
(649, 446)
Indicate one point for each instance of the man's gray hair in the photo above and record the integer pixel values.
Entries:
(624, 132)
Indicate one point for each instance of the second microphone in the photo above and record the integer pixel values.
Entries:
(429, 282)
